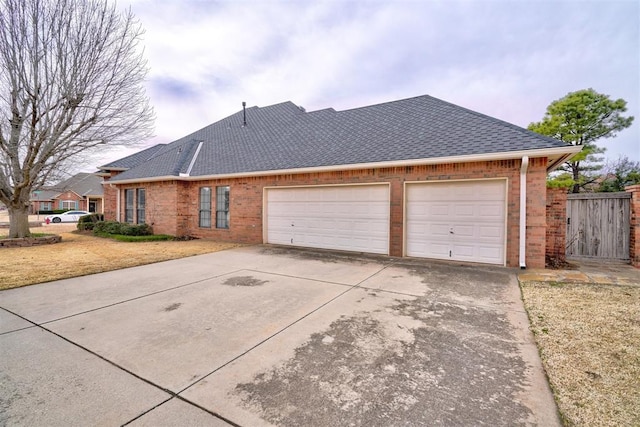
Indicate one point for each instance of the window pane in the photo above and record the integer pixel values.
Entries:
(128, 210)
(205, 207)
(222, 207)
(141, 206)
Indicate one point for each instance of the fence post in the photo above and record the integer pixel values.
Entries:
(634, 241)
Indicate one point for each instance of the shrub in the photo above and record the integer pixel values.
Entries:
(88, 222)
(151, 238)
(122, 228)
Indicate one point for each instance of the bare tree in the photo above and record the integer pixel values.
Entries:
(71, 81)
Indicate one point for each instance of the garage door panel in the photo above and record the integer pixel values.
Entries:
(495, 209)
(464, 232)
(464, 211)
(352, 218)
(456, 220)
(491, 232)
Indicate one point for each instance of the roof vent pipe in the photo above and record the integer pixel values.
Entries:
(244, 113)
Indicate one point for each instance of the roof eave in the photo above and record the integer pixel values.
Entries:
(556, 156)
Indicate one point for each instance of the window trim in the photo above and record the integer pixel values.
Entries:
(204, 207)
(129, 208)
(223, 197)
(69, 203)
(140, 208)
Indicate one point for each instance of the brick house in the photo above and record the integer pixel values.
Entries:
(83, 191)
(417, 177)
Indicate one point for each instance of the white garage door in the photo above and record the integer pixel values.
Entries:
(350, 218)
(462, 221)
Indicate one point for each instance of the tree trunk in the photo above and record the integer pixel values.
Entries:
(575, 166)
(18, 221)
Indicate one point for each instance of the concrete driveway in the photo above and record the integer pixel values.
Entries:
(262, 335)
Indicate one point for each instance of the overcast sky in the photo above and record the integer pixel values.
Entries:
(506, 59)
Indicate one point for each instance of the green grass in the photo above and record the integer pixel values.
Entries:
(123, 238)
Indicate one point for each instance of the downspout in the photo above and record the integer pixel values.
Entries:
(523, 211)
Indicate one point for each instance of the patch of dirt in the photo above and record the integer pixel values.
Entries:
(82, 254)
(588, 336)
(244, 281)
(559, 263)
(418, 363)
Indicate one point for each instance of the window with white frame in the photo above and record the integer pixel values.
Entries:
(141, 201)
(205, 207)
(68, 204)
(128, 205)
(222, 207)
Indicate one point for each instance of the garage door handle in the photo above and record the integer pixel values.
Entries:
(451, 232)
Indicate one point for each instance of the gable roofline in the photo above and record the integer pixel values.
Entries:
(283, 137)
(559, 154)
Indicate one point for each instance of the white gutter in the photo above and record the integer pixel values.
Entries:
(508, 155)
(523, 211)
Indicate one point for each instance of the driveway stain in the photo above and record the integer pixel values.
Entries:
(173, 306)
(417, 362)
(456, 280)
(244, 281)
(324, 256)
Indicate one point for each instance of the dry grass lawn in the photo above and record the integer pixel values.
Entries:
(81, 254)
(589, 341)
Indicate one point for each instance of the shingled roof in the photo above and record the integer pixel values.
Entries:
(283, 137)
(83, 184)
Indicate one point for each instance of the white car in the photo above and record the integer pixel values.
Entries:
(70, 216)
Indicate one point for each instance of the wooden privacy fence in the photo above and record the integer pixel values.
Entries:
(598, 226)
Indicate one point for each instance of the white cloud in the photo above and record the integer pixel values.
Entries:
(502, 58)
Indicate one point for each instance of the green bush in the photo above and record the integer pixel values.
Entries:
(88, 222)
(122, 228)
(151, 238)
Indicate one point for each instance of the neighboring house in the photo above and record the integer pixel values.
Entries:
(82, 191)
(418, 177)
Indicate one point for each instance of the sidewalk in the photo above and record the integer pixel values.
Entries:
(606, 273)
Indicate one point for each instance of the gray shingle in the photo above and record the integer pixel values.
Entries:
(134, 159)
(83, 184)
(283, 136)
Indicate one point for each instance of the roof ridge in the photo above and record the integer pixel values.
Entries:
(283, 136)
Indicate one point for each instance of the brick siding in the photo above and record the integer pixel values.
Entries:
(172, 206)
(634, 243)
(556, 224)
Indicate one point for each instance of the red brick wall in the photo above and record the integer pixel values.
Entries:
(110, 194)
(172, 206)
(70, 195)
(634, 244)
(556, 223)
